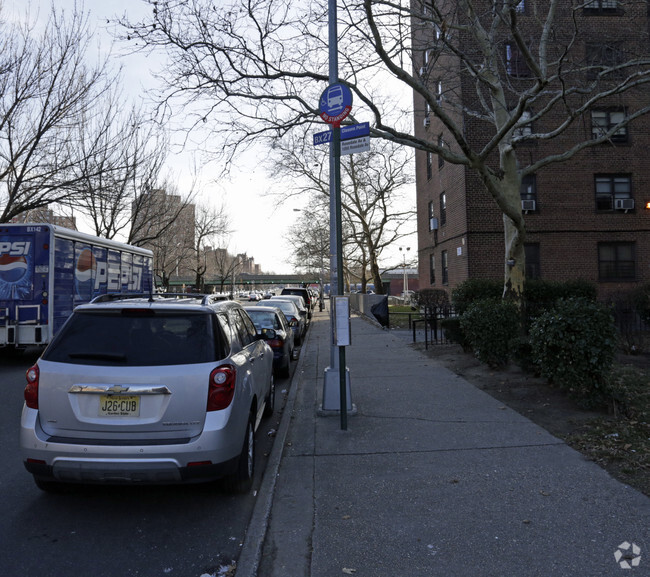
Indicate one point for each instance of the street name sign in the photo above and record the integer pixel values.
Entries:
(355, 130)
(353, 145)
(347, 132)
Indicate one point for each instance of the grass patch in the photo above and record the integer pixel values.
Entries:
(399, 316)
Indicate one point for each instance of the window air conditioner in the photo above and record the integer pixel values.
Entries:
(423, 70)
(433, 223)
(527, 205)
(623, 203)
(427, 121)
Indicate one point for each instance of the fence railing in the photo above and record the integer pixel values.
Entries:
(425, 324)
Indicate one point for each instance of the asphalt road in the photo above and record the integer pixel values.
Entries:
(180, 531)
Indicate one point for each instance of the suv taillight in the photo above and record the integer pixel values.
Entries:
(222, 387)
(31, 390)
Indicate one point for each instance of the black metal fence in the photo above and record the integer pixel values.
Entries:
(424, 324)
(427, 325)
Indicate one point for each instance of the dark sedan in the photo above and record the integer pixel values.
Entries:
(297, 321)
(272, 317)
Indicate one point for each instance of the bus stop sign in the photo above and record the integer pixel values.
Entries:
(335, 103)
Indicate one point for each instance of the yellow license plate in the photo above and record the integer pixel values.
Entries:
(119, 406)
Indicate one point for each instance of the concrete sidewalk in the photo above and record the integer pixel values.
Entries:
(433, 477)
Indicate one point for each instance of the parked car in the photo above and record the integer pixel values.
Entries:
(271, 317)
(299, 302)
(297, 322)
(302, 292)
(148, 391)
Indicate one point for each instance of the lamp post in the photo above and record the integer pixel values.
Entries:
(405, 274)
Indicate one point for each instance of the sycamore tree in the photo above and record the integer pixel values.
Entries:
(251, 71)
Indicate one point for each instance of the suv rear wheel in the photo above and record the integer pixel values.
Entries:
(241, 480)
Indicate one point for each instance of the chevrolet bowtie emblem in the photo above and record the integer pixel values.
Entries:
(117, 389)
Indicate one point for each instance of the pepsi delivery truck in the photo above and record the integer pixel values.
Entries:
(47, 270)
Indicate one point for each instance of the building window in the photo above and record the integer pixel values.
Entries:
(438, 92)
(528, 192)
(429, 165)
(602, 121)
(613, 192)
(601, 7)
(443, 208)
(432, 269)
(616, 261)
(433, 221)
(533, 268)
(601, 57)
(441, 160)
(445, 268)
(520, 6)
(515, 63)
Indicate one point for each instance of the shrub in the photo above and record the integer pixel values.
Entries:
(574, 346)
(541, 295)
(431, 299)
(473, 290)
(641, 301)
(453, 332)
(490, 325)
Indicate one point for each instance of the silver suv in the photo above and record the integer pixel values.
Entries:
(159, 389)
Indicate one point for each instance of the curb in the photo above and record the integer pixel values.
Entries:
(251, 552)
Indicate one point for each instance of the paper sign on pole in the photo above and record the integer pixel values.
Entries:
(342, 321)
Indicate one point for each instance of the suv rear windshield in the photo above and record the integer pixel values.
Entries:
(134, 338)
(301, 292)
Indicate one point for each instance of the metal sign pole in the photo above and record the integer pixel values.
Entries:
(337, 371)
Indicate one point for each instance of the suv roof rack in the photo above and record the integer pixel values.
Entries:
(206, 299)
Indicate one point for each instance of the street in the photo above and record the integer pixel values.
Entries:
(184, 531)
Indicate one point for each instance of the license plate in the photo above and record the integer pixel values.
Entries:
(119, 406)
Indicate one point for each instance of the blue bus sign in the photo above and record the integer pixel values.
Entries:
(335, 103)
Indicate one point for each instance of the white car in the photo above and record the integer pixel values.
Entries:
(164, 389)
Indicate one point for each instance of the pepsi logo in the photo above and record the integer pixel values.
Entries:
(12, 268)
(85, 273)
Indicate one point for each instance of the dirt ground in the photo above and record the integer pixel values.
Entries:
(550, 408)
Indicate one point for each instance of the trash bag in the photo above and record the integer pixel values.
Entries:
(380, 311)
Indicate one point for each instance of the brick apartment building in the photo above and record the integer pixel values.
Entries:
(587, 218)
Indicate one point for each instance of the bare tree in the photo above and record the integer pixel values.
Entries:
(209, 223)
(309, 239)
(46, 90)
(374, 209)
(164, 222)
(226, 266)
(255, 70)
(116, 174)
